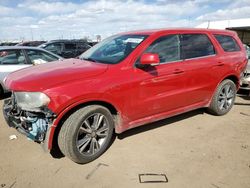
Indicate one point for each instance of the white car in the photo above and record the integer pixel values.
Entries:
(245, 80)
(13, 58)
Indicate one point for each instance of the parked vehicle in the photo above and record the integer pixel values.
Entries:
(66, 48)
(125, 81)
(245, 79)
(30, 43)
(248, 51)
(16, 57)
(8, 43)
(92, 43)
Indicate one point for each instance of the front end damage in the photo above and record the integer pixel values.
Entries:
(35, 125)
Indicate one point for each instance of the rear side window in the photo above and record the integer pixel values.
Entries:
(196, 45)
(228, 43)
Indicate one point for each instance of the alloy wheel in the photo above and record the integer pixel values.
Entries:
(92, 134)
(226, 97)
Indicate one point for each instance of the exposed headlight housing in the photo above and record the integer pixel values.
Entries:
(31, 101)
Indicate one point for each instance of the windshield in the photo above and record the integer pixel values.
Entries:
(113, 49)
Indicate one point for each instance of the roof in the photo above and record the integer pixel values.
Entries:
(19, 47)
(67, 40)
(154, 31)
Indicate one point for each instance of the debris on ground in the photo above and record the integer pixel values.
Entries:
(13, 137)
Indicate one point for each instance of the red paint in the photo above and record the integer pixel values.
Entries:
(139, 95)
(149, 59)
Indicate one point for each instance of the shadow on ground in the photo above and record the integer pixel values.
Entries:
(56, 153)
(157, 124)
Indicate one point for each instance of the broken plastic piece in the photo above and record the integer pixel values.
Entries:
(13, 137)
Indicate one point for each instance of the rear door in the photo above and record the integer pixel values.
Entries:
(200, 61)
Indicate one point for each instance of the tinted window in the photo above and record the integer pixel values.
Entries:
(167, 47)
(228, 43)
(196, 45)
(12, 57)
(83, 46)
(39, 57)
(70, 46)
(54, 47)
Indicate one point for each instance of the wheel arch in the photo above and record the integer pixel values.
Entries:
(234, 79)
(231, 77)
(53, 134)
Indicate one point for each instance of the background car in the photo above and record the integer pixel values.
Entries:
(8, 43)
(66, 48)
(18, 57)
(30, 43)
(245, 80)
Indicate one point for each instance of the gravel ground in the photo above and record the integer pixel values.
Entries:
(193, 150)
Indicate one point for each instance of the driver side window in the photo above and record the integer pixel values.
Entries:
(167, 47)
(54, 47)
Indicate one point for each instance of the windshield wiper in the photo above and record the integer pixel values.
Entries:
(89, 59)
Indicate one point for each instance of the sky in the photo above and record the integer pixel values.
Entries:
(69, 19)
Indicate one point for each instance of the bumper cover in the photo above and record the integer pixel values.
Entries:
(245, 81)
(35, 126)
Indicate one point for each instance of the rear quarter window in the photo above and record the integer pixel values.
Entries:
(228, 43)
(196, 45)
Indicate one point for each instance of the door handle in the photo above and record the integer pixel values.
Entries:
(178, 71)
(220, 64)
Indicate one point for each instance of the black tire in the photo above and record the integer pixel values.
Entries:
(75, 134)
(223, 100)
(1, 92)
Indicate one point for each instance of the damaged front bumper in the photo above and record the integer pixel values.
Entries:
(35, 125)
(245, 81)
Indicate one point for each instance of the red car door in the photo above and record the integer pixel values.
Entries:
(201, 66)
(158, 89)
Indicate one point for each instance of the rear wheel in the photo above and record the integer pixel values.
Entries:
(86, 134)
(224, 98)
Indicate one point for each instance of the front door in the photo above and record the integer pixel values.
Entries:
(158, 89)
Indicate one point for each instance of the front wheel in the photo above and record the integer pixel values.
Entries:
(223, 98)
(86, 134)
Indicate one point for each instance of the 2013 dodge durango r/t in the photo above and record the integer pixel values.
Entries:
(125, 81)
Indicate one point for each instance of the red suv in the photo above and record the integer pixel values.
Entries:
(125, 81)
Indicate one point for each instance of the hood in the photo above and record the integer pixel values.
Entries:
(45, 76)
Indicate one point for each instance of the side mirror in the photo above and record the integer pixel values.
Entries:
(149, 59)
